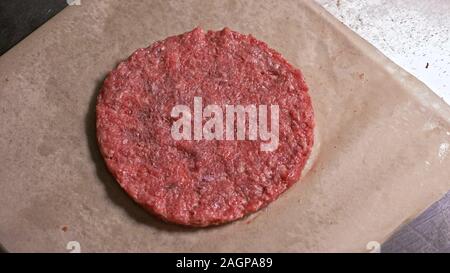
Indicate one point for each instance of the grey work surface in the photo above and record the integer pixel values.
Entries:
(415, 35)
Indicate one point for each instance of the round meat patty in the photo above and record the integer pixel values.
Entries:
(202, 182)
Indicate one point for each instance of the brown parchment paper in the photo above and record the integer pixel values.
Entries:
(381, 157)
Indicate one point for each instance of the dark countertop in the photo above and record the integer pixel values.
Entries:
(430, 232)
(18, 18)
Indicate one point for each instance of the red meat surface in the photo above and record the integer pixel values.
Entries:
(202, 182)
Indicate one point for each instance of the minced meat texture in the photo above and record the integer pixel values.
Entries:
(202, 182)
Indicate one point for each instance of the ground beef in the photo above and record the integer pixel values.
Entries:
(202, 182)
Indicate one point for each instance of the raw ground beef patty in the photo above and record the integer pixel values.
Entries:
(202, 182)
